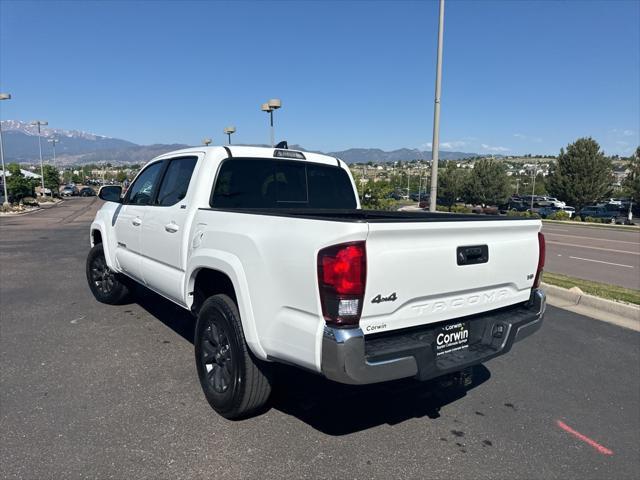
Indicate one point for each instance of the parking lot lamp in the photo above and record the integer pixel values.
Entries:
(229, 131)
(5, 204)
(39, 123)
(269, 107)
(53, 142)
(207, 141)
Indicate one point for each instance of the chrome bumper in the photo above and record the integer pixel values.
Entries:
(347, 357)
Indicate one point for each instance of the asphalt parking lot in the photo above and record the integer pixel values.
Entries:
(95, 391)
(607, 255)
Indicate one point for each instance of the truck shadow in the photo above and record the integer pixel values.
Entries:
(336, 409)
(330, 407)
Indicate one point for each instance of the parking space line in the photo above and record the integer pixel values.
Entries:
(592, 248)
(600, 261)
(601, 449)
(593, 238)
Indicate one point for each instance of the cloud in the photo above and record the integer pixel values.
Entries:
(453, 144)
(519, 135)
(495, 149)
(627, 133)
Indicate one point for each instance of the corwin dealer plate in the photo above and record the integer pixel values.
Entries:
(452, 338)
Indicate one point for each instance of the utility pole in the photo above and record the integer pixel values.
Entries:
(435, 144)
(5, 204)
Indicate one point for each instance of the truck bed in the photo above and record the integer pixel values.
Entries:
(368, 216)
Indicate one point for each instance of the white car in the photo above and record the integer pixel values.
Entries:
(270, 250)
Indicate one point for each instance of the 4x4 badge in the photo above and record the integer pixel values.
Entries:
(379, 298)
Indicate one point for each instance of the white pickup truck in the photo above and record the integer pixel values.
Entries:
(271, 252)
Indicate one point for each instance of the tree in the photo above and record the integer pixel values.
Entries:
(17, 184)
(632, 182)
(453, 181)
(121, 176)
(488, 183)
(51, 178)
(582, 174)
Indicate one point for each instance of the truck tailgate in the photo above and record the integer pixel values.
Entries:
(417, 274)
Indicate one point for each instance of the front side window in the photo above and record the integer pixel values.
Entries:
(176, 180)
(269, 183)
(141, 191)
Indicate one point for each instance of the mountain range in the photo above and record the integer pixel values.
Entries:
(75, 147)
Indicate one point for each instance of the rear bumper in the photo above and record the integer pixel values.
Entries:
(349, 357)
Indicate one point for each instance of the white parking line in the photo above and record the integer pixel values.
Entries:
(593, 238)
(600, 261)
(591, 248)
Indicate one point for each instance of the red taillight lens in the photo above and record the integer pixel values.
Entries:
(342, 273)
(541, 257)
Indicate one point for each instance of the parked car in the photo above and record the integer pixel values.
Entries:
(69, 191)
(87, 192)
(270, 251)
(599, 211)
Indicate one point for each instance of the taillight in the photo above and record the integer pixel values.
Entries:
(541, 255)
(342, 275)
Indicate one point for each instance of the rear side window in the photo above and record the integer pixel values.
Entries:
(175, 182)
(268, 183)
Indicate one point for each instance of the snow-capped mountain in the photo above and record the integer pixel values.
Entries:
(77, 147)
(28, 129)
(21, 144)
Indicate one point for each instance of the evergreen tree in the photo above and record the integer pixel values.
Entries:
(632, 182)
(453, 181)
(582, 174)
(488, 183)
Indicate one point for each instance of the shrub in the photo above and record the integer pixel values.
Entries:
(29, 201)
(559, 215)
(460, 209)
(515, 213)
(577, 218)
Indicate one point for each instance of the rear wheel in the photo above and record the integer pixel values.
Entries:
(235, 383)
(105, 284)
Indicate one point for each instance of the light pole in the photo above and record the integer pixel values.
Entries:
(5, 204)
(269, 107)
(39, 123)
(436, 116)
(53, 142)
(207, 141)
(229, 131)
(535, 174)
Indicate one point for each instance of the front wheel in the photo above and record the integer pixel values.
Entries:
(234, 382)
(104, 283)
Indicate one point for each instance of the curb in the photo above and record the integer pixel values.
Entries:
(572, 223)
(574, 299)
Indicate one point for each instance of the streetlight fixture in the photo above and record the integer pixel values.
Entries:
(38, 123)
(269, 107)
(207, 141)
(228, 131)
(5, 204)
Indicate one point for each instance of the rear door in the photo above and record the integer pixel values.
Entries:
(165, 228)
(130, 218)
(419, 273)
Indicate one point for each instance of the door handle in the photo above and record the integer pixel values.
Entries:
(137, 221)
(171, 227)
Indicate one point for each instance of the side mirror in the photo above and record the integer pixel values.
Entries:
(111, 193)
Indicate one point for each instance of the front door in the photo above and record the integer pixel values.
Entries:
(129, 221)
(165, 230)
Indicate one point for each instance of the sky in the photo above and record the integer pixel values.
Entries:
(518, 76)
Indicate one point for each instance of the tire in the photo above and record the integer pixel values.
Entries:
(235, 383)
(107, 286)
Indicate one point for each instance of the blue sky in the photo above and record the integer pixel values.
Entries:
(518, 76)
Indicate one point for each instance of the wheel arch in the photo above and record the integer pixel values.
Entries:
(212, 274)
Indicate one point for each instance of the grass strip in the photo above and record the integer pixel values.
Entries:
(602, 290)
